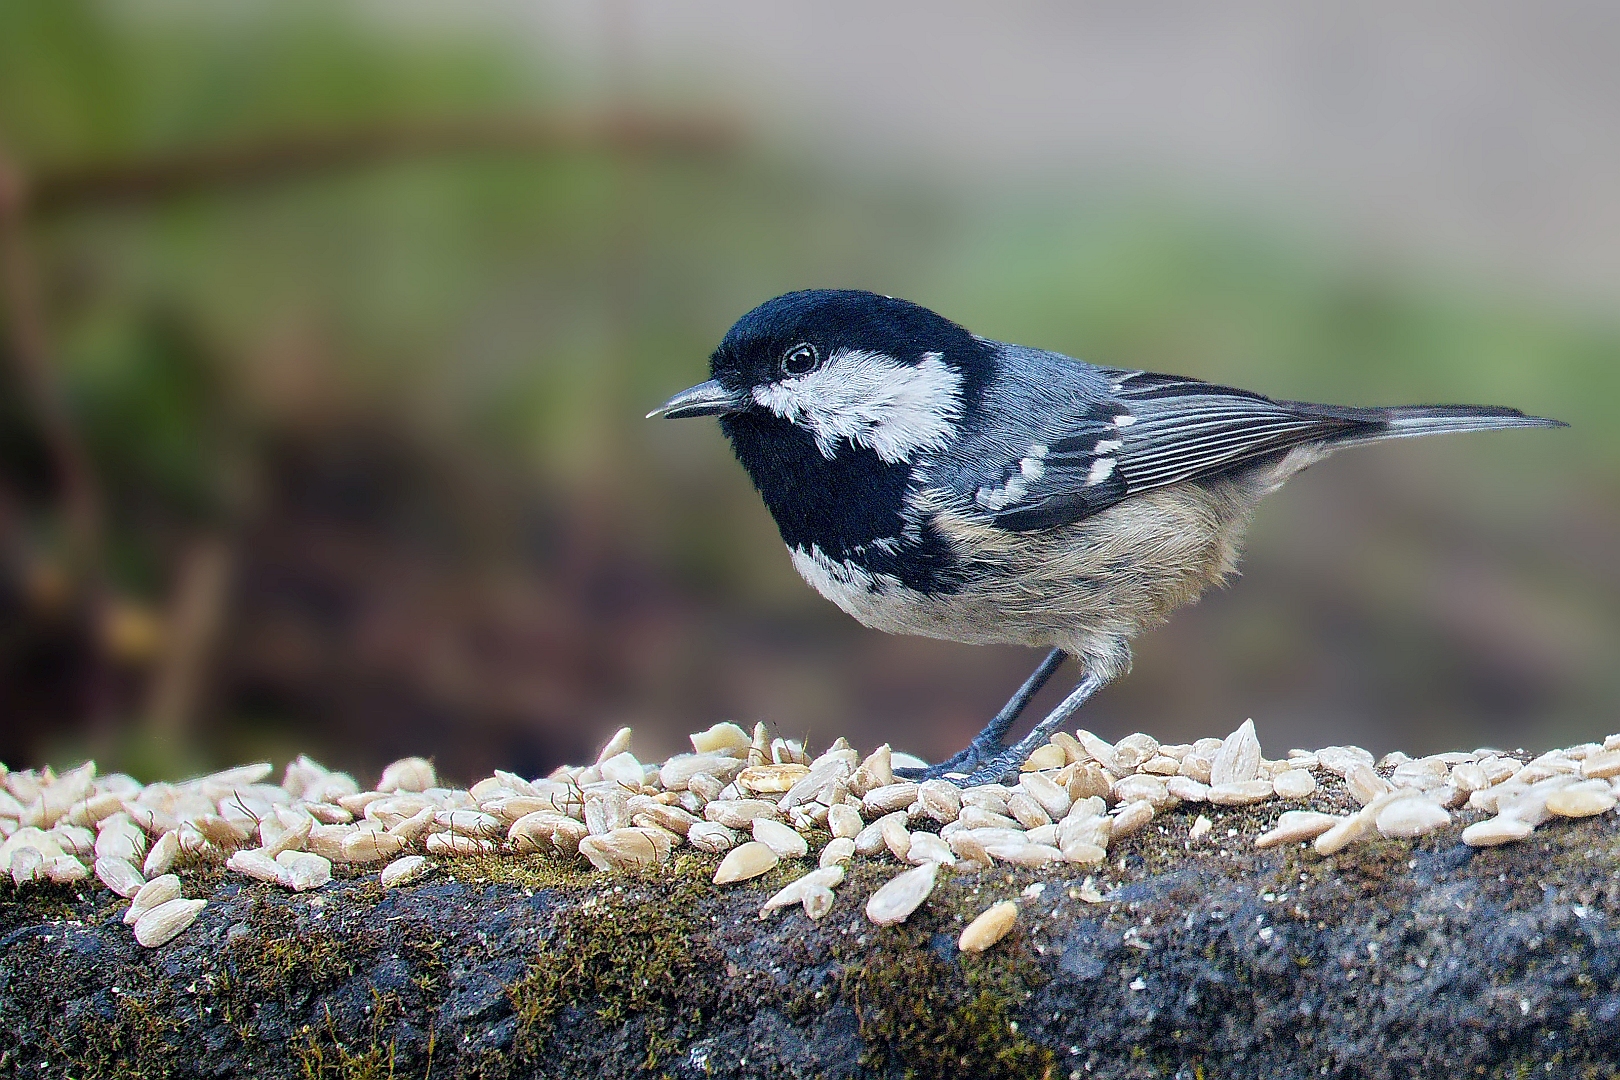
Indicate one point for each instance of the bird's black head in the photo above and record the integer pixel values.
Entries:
(852, 369)
(829, 396)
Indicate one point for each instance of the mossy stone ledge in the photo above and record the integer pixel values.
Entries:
(1198, 960)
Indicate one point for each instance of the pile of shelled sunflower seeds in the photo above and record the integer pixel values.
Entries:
(759, 801)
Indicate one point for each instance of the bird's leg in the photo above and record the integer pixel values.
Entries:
(992, 769)
(987, 743)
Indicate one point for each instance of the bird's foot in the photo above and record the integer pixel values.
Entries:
(987, 761)
(965, 763)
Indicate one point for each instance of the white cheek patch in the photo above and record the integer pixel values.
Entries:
(874, 400)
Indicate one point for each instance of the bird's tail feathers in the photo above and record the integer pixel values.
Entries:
(1406, 421)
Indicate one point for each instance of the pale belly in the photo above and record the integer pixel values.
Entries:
(1085, 588)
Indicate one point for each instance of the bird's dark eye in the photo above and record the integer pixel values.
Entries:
(800, 360)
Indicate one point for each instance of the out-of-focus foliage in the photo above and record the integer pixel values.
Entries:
(399, 395)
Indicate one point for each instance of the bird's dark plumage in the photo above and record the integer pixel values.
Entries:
(930, 481)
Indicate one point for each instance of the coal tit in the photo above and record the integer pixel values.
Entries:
(929, 481)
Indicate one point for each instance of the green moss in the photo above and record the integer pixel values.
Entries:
(132, 1045)
(927, 1018)
(323, 1055)
(525, 871)
(37, 903)
(283, 958)
(632, 951)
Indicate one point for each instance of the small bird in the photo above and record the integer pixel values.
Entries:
(929, 481)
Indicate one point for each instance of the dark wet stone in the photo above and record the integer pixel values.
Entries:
(1493, 963)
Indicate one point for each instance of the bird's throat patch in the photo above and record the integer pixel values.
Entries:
(873, 401)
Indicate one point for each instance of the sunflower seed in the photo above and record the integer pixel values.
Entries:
(991, 797)
(1196, 766)
(928, 847)
(65, 870)
(1089, 780)
(990, 927)
(1072, 750)
(1132, 817)
(827, 778)
(304, 870)
(1243, 793)
(1601, 765)
(27, 865)
(278, 837)
(1097, 749)
(845, 821)
(722, 738)
(1034, 856)
(1364, 784)
(1051, 797)
(1341, 759)
(127, 843)
(965, 846)
(838, 852)
(149, 896)
(163, 923)
(164, 851)
(254, 863)
(73, 839)
(1161, 765)
(119, 876)
(1238, 758)
(1468, 777)
(1344, 832)
(1294, 784)
(771, 779)
(404, 870)
(1186, 789)
(898, 897)
(1294, 826)
(413, 828)
(1581, 800)
(408, 774)
(787, 843)
(677, 773)
(740, 813)
(794, 892)
(896, 837)
(1083, 853)
(1044, 834)
(1412, 817)
(817, 902)
(976, 817)
(456, 844)
(1045, 757)
(1497, 830)
(626, 849)
(890, 797)
(622, 769)
(712, 837)
(875, 772)
(746, 861)
(672, 818)
(1096, 830)
(470, 822)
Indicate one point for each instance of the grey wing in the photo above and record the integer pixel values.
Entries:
(1150, 432)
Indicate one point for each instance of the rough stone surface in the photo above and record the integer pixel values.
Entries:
(1388, 960)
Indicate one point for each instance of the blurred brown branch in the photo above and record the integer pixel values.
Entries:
(293, 154)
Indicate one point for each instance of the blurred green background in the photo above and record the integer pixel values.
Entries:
(328, 330)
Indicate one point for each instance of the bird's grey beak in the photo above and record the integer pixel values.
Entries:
(704, 399)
